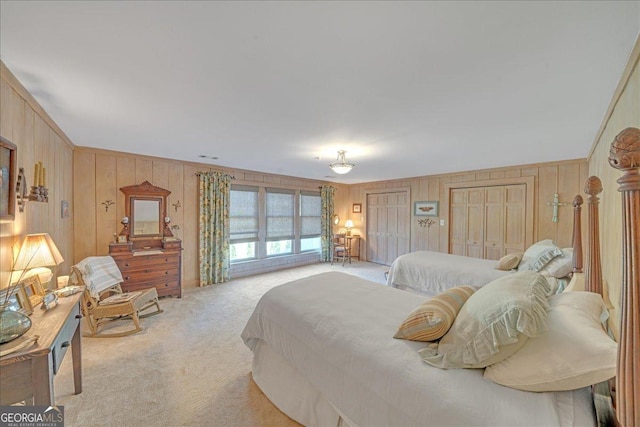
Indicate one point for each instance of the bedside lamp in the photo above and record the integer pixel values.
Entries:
(38, 250)
(348, 225)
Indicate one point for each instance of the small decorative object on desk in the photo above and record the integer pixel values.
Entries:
(68, 291)
(49, 301)
(12, 324)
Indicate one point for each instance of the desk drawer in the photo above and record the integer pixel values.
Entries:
(63, 340)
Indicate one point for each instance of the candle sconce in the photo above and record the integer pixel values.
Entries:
(107, 203)
(39, 190)
(426, 222)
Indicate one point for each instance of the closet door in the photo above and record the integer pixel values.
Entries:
(387, 226)
(494, 224)
(458, 221)
(515, 218)
(475, 222)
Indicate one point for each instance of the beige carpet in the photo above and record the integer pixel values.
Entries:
(189, 367)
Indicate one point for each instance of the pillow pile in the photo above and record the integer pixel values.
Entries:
(575, 352)
(494, 323)
(435, 316)
(560, 266)
(538, 255)
(509, 261)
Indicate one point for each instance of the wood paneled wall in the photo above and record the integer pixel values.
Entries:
(38, 138)
(624, 111)
(565, 178)
(101, 173)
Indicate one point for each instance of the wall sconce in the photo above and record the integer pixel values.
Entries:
(39, 190)
(348, 225)
(107, 203)
(426, 222)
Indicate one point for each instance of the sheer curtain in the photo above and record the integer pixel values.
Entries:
(327, 194)
(215, 192)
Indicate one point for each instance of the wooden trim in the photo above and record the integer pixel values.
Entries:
(529, 181)
(15, 84)
(632, 63)
(625, 156)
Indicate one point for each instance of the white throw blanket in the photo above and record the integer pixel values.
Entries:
(99, 273)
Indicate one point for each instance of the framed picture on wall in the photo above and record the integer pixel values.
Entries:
(357, 208)
(8, 161)
(425, 209)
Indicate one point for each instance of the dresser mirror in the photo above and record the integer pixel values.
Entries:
(145, 212)
(146, 217)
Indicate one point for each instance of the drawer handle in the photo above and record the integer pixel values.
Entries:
(126, 264)
(65, 344)
(166, 259)
(166, 284)
(127, 277)
(166, 272)
(78, 316)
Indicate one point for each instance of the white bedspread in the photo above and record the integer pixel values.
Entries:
(430, 273)
(337, 330)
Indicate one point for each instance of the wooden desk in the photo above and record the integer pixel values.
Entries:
(28, 374)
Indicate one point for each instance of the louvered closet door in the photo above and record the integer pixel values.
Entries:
(387, 226)
(487, 222)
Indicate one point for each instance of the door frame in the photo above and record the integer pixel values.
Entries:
(529, 182)
(365, 212)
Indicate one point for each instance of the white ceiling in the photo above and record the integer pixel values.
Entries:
(407, 88)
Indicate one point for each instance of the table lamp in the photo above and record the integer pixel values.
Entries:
(38, 250)
(348, 225)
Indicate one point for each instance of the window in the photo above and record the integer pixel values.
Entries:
(243, 223)
(310, 212)
(280, 214)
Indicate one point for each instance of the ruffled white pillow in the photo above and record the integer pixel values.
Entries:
(538, 255)
(494, 323)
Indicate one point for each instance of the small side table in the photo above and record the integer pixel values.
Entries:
(353, 243)
(28, 374)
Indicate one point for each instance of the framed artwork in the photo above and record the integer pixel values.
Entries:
(33, 290)
(17, 300)
(357, 208)
(425, 209)
(8, 161)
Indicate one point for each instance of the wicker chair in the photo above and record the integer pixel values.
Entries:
(108, 303)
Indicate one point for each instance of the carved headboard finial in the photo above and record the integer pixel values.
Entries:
(577, 201)
(593, 186)
(625, 150)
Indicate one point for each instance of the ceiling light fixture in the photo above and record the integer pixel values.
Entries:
(342, 166)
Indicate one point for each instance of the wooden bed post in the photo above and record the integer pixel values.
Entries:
(593, 276)
(577, 234)
(625, 156)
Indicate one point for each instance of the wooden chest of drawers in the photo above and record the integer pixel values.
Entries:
(159, 268)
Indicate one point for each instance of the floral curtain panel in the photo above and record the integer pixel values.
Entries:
(215, 190)
(327, 194)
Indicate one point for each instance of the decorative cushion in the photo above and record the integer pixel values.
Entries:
(575, 352)
(560, 266)
(431, 320)
(494, 323)
(509, 261)
(538, 255)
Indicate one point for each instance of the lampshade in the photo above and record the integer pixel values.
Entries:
(342, 166)
(38, 250)
(348, 223)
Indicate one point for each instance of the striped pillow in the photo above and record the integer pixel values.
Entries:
(434, 317)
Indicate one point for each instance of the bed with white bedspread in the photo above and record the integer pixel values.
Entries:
(430, 273)
(324, 348)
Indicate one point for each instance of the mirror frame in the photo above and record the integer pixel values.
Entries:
(132, 216)
(145, 191)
